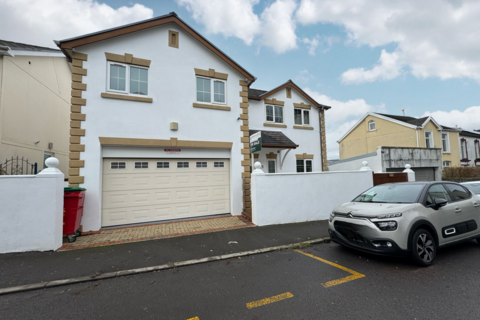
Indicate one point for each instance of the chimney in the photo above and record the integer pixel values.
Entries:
(403, 112)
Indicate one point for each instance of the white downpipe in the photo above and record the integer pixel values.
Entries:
(418, 145)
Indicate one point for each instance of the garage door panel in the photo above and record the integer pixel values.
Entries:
(117, 199)
(133, 195)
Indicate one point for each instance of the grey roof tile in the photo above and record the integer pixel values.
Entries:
(275, 139)
(26, 47)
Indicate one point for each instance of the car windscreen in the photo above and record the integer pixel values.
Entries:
(474, 187)
(391, 193)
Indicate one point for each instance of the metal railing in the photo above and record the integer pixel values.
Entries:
(17, 166)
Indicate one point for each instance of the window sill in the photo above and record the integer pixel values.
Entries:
(278, 125)
(125, 97)
(303, 127)
(211, 106)
(372, 130)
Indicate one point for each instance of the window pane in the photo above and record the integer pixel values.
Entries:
(298, 116)
(308, 165)
(437, 192)
(218, 164)
(269, 113)
(219, 91)
(203, 90)
(300, 166)
(278, 114)
(117, 77)
(137, 85)
(202, 164)
(271, 166)
(458, 192)
(306, 117)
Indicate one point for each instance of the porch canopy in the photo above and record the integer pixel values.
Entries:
(276, 140)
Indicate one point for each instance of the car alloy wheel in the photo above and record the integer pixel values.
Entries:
(423, 248)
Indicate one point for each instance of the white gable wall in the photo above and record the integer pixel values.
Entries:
(308, 140)
(172, 86)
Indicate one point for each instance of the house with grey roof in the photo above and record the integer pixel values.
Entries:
(34, 106)
(389, 142)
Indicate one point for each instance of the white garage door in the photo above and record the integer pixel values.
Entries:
(144, 190)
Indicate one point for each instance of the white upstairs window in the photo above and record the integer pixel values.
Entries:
(429, 139)
(301, 117)
(274, 114)
(206, 94)
(128, 79)
(371, 125)
(445, 143)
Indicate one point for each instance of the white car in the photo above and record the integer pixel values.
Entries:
(474, 186)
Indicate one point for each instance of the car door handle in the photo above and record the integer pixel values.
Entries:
(476, 204)
(458, 210)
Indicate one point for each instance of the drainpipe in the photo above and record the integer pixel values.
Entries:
(320, 131)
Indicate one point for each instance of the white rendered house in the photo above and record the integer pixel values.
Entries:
(160, 125)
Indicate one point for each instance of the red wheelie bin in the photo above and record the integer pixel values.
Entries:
(73, 199)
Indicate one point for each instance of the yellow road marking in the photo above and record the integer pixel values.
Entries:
(265, 301)
(196, 318)
(355, 275)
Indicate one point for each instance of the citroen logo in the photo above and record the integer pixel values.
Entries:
(350, 215)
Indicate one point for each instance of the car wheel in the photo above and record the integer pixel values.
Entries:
(423, 248)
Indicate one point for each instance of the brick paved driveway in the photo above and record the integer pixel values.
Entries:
(155, 231)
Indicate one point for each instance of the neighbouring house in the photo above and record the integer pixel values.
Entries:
(34, 105)
(469, 148)
(421, 142)
(161, 120)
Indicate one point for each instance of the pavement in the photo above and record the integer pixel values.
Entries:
(325, 281)
(121, 235)
(34, 267)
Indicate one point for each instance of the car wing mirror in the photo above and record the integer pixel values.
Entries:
(439, 202)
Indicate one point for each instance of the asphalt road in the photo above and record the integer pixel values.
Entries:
(389, 289)
(33, 267)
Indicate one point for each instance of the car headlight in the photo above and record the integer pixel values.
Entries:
(332, 215)
(389, 215)
(387, 225)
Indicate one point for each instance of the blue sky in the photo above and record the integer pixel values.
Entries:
(423, 57)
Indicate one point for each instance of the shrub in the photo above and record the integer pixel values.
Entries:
(456, 173)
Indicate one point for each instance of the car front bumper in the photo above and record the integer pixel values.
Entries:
(364, 238)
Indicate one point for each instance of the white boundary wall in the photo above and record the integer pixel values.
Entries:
(298, 197)
(31, 211)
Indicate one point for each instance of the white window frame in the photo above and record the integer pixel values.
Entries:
(476, 145)
(304, 165)
(148, 165)
(212, 90)
(447, 141)
(303, 117)
(463, 149)
(374, 125)
(446, 162)
(111, 162)
(274, 165)
(127, 79)
(283, 114)
(432, 144)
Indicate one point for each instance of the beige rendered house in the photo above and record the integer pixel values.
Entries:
(34, 103)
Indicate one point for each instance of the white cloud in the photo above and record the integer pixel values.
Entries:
(275, 28)
(278, 27)
(312, 44)
(40, 22)
(304, 76)
(434, 38)
(341, 117)
(319, 41)
(467, 119)
(387, 68)
(231, 18)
